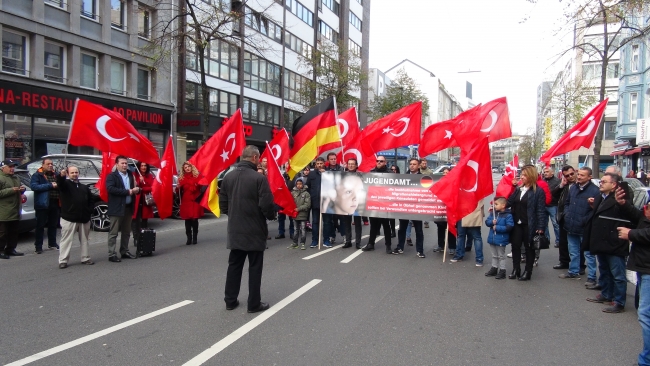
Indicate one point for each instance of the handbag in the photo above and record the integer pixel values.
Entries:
(541, 241)
(148, 199)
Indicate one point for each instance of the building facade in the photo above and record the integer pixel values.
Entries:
(55, 51)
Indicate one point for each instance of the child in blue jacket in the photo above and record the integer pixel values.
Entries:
(500, 223)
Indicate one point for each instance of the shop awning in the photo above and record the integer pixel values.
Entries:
(633, 151)
(618, 152)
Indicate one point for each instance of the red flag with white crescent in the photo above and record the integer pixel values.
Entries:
(163, 186)
(280, 147)
(108, 161)
(281, 194)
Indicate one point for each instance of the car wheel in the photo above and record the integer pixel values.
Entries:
(176, 207)
(99, 219)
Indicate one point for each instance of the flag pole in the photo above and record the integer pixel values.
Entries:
(320, 229)
(67, 142)
(444, 253)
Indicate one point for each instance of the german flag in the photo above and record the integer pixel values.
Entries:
(314, 129)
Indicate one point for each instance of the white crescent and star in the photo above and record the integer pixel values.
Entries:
(226, 155)
(587, 131)
(343, 123)
(163, 164)
(406, 126)
(495, 118)
(101, 128)
(448, 134)
(275, 148)
(474, 165)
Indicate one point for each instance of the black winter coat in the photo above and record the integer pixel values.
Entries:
(576, 208)
(560, 194)
(246, 198)
(639, 258)
(117, 193)
(535, 209)
(553, 183)
(601, 236)
(313, 187)
(77, 202)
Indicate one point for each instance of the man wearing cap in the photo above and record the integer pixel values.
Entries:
(10, 200)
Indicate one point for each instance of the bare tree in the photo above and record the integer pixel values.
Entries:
(530, 147)
(570, 100)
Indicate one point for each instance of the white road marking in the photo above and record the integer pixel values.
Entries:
(244, 329)
(96, 335)
(355, 254)
(323, 252)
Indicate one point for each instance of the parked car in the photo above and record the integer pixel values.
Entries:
(439, 169)
(27, 220)
(90, 167)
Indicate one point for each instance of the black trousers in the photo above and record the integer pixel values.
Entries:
(233, 278)
(392, 227)
(8, 236)
(519, 237)
(442, 229)
(376, 224)
(347, 223)
(564, 247)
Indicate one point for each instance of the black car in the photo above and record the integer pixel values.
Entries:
(90, 167)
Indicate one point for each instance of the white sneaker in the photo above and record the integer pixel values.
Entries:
(509, 255)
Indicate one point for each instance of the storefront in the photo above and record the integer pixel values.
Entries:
(35, 121)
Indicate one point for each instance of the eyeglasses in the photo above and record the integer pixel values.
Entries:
(381, 161)
(604, 181)
(569, 175)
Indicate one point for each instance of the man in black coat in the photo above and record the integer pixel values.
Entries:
(246, 198)
(76, 207)
(560, 193)
(601, 239)
(551, 209)
(121, 196)
(375, 222)
(313, 185)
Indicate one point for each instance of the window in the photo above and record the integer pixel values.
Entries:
(610, 130)
(190, 58)
(223, 60)
(89, 8)
(327, 31)
(298, 45)
(354, 48)
(118, 77)
(634, 61)
(262, 113)
(14, 53)
(332, 5)
(355, 21)
(359, 1)
(88, 71)
(221, 103)
(301, 12)
(262, 75)
(591, 71)
(144, 84)
(296, 87)
(289, 117)
(261, 24)
(53, 62)
(118, 12)
(57, 3)
(633, 106)
(143, 22)
(612, 70)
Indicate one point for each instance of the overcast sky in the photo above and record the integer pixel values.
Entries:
(446, 37)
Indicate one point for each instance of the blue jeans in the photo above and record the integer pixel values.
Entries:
(643, 312)
(408, 229)
(474, 232)
(612, 278)
(281, 219)
(315, 214)
(590, 261)
(552, 213)
(574, 253)
(419, 235)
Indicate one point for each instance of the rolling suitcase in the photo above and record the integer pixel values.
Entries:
(146, 243)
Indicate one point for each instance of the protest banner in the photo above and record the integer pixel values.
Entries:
(393, 196)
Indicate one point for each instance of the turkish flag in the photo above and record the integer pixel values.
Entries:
(108, 161)
(280, 147)
(397, 129)
(467, 128)
(468, 183)
(366, 158)
(163, 185)
(221, 150)
(506, 184)
(580, 135)
(106, 130)
(281, 194)
(438, 136)
(495, 120)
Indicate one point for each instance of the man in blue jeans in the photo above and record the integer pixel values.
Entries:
(470, 227)
(551, 209)
(577, 212)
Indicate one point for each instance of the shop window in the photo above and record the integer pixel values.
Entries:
(50, 136)
(118, 14)
(118, 77)
(89, 9)
(14, 53)
(18, 137)
(88, 71)
(157, 138)
(53, 62)
(144, 84)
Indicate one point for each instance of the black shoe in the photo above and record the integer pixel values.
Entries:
(388, 250)
(262, 306)
(14, 253)
(358, 246)
(114, 259)
(55, 246)
(614, 309)
(63, 265)
(347, 245)
(561, 266)
(128, 255)
(194, 241)
(4, 256)
(492, 272)
(600, 299)
(189, 239)
(368, 247)
(525, 276)
(594, 287)
(501, 274)
(515, 273)
(281, 236)
(393, 235)
(39, 251)
(409, 242)
(233, 306)
(581, 272)
(438, 249)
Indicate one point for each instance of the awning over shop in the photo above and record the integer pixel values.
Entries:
(618, 152)
(633, 151)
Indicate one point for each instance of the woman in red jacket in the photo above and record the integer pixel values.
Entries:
(191, 211)
(142, 213)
